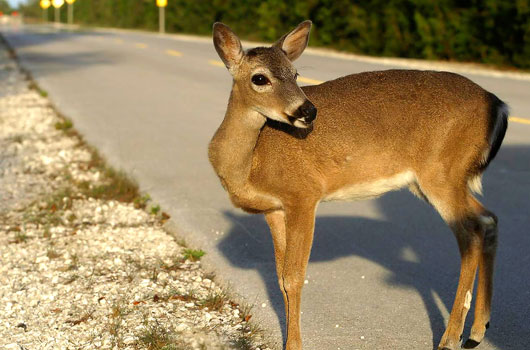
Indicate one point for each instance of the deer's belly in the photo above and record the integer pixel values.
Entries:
(372, 189)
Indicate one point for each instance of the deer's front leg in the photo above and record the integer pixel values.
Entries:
(300, 223)
(276, 221)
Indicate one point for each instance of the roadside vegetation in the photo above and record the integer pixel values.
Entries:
(493, 32)
(86, 250)
(4, 6)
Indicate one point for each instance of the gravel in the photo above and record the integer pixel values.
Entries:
(82, 272)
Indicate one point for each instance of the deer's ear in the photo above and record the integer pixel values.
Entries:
(227, 45)
(295, 42)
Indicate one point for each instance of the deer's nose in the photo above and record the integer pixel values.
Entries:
(308, 111)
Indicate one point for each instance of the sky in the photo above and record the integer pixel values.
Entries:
(14, 3)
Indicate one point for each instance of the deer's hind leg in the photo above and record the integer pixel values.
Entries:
(485, 277)
(465, 216)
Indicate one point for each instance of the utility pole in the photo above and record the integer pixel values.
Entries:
(57, 4)
(44, 4)
(70, 11)
(161, 15)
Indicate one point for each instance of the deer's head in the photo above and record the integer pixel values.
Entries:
(265, 78)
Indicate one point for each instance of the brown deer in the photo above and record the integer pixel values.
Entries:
(433, 132)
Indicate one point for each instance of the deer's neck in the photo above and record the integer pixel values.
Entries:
(232, 147)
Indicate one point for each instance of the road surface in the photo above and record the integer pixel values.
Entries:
(382, 274)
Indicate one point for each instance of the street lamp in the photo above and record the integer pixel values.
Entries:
(44, 4)
(57, 4)
(70, 11)
(161, 15)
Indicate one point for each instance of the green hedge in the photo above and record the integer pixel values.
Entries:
(489, 31)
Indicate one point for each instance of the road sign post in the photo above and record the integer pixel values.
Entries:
(70, 11)
(161, 15)
(57, 4)
(44, 4)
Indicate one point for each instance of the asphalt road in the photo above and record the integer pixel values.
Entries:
(382, 273)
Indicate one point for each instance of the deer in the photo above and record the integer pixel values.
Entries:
(432, 132)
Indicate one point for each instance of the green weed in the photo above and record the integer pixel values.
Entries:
(155, 209)
(64, 125)
(193, 254)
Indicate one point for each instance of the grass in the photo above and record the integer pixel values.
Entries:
(116, 185)
(117, 310)
(113, 327)
(34, 86)
(214, 301)
(20, 237)
(74, 265)
(155, 209)
(188, 296)
(251, 332)
(43, 218)
(60, 199)
(46, 233)
(154, 274)
(64, 125)
(140, 202)
(113, 185)
(243, 343)
(246, 340)
(115, 323)
(84, 317)
(156, 337)
(193, 254)
(49, 214)
(245, 312)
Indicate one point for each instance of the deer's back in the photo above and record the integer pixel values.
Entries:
(375, 125)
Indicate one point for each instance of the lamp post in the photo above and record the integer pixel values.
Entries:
(70, 11)
(44, 4)
(161, 15)
(57, 4)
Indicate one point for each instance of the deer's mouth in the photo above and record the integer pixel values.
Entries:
(299, 122)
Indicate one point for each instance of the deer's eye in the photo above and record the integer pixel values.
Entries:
(260, 79)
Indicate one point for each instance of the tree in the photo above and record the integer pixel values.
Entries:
(4, 6)
(489, 31)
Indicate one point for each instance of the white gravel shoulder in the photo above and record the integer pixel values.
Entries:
(83, 273)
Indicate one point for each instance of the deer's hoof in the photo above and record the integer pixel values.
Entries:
(471, 344)
(477, 335)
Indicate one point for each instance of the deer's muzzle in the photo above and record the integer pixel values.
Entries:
(304, 115)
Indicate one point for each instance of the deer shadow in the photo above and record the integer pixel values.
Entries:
(410, 225)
